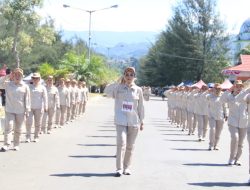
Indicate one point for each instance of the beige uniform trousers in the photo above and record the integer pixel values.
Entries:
(80, 112)
(68, 113)
(195, 122)
(13, 122)
(37, 114)
(48, 116)
(125, 139)
(173, 115)
(190, 120)
(84, 107)
(183, 118)
(202, 125)
(248, 139)
(237, 138)
(169, 112)
(73, 111)
(178, 117)
(216, 127)
(60, 115)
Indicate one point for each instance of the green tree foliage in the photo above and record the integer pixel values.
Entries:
(19, 13)
(192, 47)
(39, 47)
(245, 51)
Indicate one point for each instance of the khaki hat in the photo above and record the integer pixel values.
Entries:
(239, 82)
(246, 84)
(18, 70)
(36, 75)
(131, 69)
(50, 77)
(74, 81)
(217, 85)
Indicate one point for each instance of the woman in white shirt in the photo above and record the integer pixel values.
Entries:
(217, 114)
(129, 115)
(237, 121)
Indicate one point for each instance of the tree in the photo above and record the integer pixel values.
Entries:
(194, 42)
(23, 29)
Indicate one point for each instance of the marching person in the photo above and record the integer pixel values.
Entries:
(86, 95)
(64, 98)
(68, 110)
(53, 105)
(74, 99)
(129, 115)
(17, 105)
(217, 115)
(39, 105)
(237, 120)
(82, 98)
(202, 115)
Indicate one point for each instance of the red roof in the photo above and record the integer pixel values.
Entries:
(226, 84)
(244, 66)
(199, 84)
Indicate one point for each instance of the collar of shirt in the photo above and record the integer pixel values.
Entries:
(132, 87)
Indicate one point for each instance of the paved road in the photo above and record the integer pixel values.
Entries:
(81, 156)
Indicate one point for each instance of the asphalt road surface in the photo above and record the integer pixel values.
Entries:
(81, 156)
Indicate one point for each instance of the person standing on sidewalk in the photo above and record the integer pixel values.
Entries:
(129, 115)
(17, 105)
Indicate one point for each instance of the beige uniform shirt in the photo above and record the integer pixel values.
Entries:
(129, 107)
(64, 96)
(238, 115)
(39, 98)
(53, 97)
(217, 107)
(17, 96)
(86, 91)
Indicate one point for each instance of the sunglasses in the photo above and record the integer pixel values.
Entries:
(35, 78)
(129, 75)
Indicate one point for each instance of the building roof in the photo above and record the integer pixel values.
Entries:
(243, 67)
(199, 84)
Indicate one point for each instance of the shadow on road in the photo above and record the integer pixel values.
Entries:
(183, 140)
(177, 134)
(84, 175)
(91, 156)
(170, 130)
(103, 136)
(205, 164)
(107, 126)
(96, 144)
(190, 149)
(219, 184)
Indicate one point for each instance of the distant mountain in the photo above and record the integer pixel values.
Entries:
(117, 44)
(124, 50)
(109, 39)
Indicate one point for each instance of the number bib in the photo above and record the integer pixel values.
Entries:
(127, 106)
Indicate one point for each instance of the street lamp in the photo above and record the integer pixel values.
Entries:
(90, 15)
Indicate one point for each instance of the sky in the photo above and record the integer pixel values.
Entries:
(132, 15)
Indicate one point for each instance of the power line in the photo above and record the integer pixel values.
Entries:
(183, 57)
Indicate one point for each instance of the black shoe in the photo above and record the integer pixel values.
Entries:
(118, 174)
